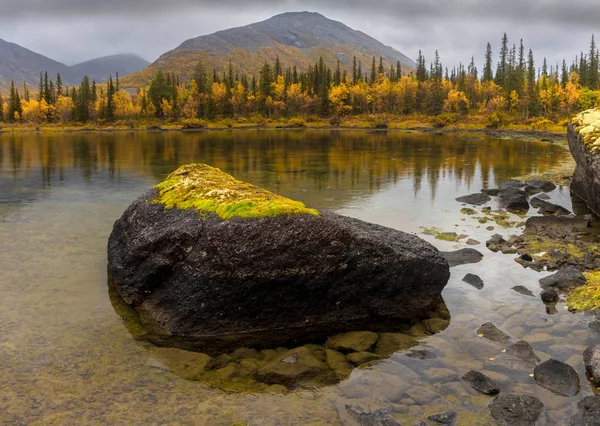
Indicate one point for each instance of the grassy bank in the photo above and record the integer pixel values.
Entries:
(383, 122)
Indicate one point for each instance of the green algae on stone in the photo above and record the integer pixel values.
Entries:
(209, 190)
(438, 235)
(586, 298)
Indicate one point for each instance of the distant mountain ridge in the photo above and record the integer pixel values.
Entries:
(297, 38)
(23, 65)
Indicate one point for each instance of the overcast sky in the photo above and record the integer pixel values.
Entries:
(73, 31)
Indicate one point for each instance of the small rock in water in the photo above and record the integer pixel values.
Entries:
(523, 290)
(364, 417)
(513, 200)
(589, 412)
(523, 350)
(447, 418)
(531, 190)
(549, 295)
(565, 279)
(472, 242)
(421, 354)
(462, 237)
(490, 228)
(462, 257)
(591, 360)
(474, 199)
(537, 202)
(474, 280)
(558, 377)
(481, 382)
(491, 332)
(594, 327)
(516, 410)
(544, 197)
(542, 185)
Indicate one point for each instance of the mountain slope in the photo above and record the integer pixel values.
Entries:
(298, 38)
(23, 65)
(100, 69)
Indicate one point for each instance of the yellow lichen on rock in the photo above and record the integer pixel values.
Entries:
(586, 298)
(587, 125)
(209, 190)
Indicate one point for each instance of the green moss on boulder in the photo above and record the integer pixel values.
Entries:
(210, 190)
(587, 125)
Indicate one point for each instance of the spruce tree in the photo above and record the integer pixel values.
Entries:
(488, 74)
(59, 85)
(503, 63)
(592, 77)
(373, 72)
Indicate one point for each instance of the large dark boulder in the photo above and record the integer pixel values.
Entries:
(196, 278)
(583, 134)
(591, 360)
(558, 377)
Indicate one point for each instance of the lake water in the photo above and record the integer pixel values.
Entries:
(68, 357)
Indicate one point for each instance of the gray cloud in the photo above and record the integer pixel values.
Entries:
(77, 30)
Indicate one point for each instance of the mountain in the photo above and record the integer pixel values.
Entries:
(100, 69)
(23, 65)
(297, 38)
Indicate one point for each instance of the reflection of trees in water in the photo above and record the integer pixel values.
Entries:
(284, 161)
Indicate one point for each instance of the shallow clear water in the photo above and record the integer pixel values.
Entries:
(67, 357)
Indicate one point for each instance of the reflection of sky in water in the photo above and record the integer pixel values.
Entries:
(67, 358)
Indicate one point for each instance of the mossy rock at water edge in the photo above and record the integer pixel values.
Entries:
(205, 258)
(209, 190)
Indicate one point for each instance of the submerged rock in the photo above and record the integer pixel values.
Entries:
(583, 136)
(491, 332)
(481, 383)
(473, 280)
(356, 341)
(447, 418)
(463, 257)
(589, 412)
(516, 410)
(523, 290)
(365, 417)
(204, 258)
(293, 366)
(389, 343)
(558, 377)
(524, 351)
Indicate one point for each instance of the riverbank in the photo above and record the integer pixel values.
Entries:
(548, 131)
